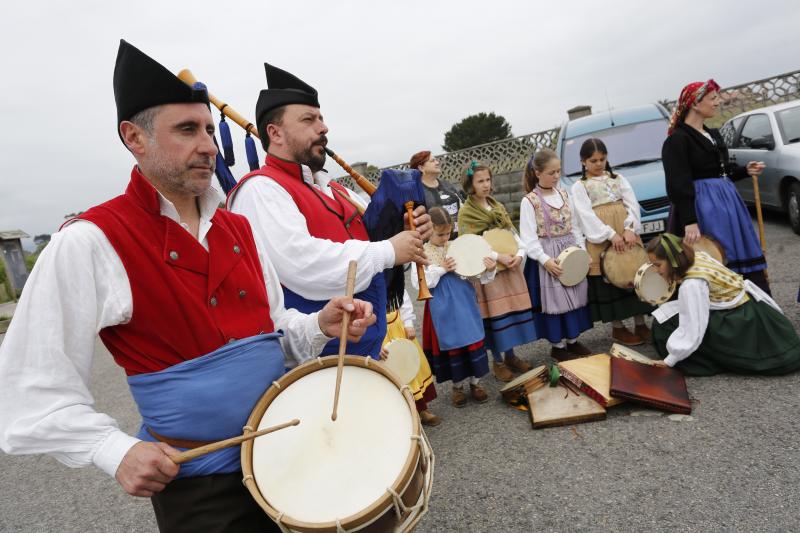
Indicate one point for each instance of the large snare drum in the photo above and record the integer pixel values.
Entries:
(619, 268)
(370, 470)
(650, 287)
(574, 262)
(402, 359)
(711, 246)
(468, 252)
(502, 241)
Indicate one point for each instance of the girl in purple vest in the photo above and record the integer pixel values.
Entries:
(546, 229)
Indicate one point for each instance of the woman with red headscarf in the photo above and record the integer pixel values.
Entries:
(700, 183)
(438, 192)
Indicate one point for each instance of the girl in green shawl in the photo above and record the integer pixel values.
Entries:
(505, 303)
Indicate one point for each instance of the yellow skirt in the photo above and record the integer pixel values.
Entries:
(422, 385)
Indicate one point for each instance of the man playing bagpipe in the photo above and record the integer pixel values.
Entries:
(310, 225)
(185, 300)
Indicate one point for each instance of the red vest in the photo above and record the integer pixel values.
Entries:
(335, 218)
(187, 301)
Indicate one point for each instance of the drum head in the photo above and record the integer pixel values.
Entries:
(650, 287)
(468, 252)
(502, 241)
(575, 263)
(712, 247)
(403, 359)
(619, 268)
(322, 471)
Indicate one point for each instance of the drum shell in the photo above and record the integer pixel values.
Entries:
(380, 515)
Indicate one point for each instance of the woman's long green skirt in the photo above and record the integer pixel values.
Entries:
(753, 338)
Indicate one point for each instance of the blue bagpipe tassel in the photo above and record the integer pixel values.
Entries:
(227, 142)
(252, 152)
(224, 176)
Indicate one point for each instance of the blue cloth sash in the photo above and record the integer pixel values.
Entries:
(209, 398)
(455, 314)
(370, 343)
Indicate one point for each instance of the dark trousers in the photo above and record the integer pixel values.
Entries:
(209, 504)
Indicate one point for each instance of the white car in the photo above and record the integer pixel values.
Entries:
(772, 135)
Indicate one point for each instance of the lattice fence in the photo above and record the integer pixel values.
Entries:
(755, 94)
(510, 155)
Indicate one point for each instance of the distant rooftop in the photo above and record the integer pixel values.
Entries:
(13, 234)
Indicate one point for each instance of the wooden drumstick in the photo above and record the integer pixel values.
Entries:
(188, 455)
(351, 285)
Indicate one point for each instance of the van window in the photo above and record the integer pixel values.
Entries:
(633, 142)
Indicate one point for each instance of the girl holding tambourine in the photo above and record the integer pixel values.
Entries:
(505, 303)
(721, 322)
(452, 328)
(400, 325)
(608, 213)
(546, 229)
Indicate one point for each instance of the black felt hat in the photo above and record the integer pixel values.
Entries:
(284, 88)
(140, 82)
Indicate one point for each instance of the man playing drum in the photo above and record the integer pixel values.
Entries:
(185, 300)
(308, 223)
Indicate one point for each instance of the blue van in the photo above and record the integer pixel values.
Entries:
(633, 137)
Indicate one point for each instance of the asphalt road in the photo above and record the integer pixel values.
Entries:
(734, 466)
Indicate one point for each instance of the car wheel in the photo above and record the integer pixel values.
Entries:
(793, 206)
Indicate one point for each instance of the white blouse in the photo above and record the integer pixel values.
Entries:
(529, 231)
(593, 228)
(78, 287)
(314, 268)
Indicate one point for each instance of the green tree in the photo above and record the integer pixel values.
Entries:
(476, 129)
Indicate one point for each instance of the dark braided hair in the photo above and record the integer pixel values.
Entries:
(440, 217)
(588, 148)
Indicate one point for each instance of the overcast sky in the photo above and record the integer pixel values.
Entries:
(392, 76)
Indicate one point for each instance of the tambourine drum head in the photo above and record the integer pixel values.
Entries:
(574, 262)
(322, 470)
(403, 359)
(468, 252)
(502, 241)
(619, 268)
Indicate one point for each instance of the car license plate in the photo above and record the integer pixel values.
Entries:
(653, 227)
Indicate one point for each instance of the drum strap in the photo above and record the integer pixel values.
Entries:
(179, 443)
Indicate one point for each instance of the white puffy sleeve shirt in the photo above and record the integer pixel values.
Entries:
(78, 287)
(314, 268)
(593, 228)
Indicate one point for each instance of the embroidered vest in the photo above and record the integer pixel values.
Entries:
(723, 284)
(550, 222)
(187, 301)
(436, 254)
(604, 190)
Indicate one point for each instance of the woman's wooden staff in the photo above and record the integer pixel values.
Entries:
(760, 219)
(351, 286)
(188, 455)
